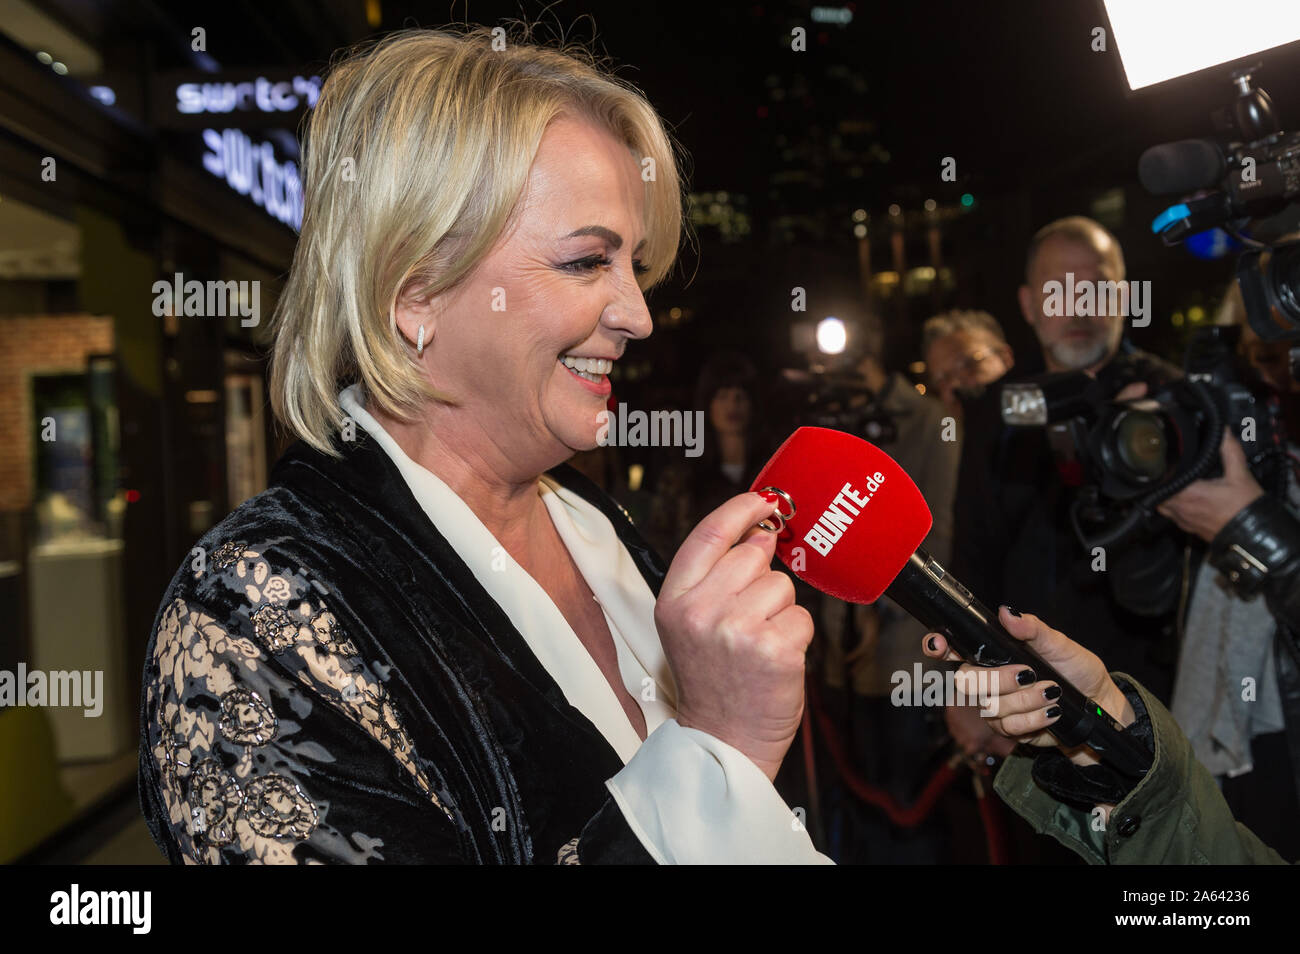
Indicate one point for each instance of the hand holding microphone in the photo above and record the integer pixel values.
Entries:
(853, 529)
(1024, 708)
(734, 637)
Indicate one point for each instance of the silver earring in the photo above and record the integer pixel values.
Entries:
(419, 343)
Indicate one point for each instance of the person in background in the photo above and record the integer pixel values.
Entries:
(1014, 541)
(964, 351)
(735, 446)
(864, 647)
(1271, 359)
(1233, 640)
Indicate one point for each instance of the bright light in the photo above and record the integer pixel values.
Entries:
(59, 68)
(45, 58)
(859, 231)
(1161, 39)
(930, 205)
(831, 336)
(859, 215)
(104, 94)
(967, 200)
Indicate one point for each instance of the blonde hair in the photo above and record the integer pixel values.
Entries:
(414, 158)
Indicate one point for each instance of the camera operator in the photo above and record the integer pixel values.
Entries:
(1174, 815)
(1237, 691)
(1012, 534)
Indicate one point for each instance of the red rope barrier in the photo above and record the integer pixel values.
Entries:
(991, 815)
(904, 816)
(911, 815)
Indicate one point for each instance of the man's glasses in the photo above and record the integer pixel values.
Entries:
(965, 367)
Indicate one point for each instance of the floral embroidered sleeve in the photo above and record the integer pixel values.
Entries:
(269, 739)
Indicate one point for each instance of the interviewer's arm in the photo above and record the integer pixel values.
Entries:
(1175, 815)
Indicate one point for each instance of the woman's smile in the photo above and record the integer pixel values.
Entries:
(591, 373)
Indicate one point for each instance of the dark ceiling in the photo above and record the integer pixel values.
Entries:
(1011, 88)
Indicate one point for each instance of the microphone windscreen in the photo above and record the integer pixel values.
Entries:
(858, 516)
(1177, 168)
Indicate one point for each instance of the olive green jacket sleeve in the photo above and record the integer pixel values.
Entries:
(1175, 815)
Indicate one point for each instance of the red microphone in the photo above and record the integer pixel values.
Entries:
(851, 523)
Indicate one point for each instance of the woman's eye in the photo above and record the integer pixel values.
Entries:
(587, 264)
(601, 261)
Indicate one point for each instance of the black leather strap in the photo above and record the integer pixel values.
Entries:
(1084, 786)
(1262, 540)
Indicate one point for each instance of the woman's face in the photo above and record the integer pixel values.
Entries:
(729, 410)
(559, 290)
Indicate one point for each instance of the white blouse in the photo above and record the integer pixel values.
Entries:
(689, 797)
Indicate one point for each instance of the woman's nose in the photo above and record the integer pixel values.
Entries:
(629, 314)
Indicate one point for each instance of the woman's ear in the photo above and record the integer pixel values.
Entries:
(416, 317)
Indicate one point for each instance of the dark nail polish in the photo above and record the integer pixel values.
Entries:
(1013, 611)
(932, 644)
(1025, 677)
(1052, 692)
(1053, 712)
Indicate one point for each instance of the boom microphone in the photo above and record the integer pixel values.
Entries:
(851, 525)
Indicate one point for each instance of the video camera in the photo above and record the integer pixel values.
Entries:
(838, 400)
(1255, 176)
(1127, 457)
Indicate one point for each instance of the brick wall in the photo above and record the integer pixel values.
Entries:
(36, 344)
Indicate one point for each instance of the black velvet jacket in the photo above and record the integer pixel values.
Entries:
(328, 682)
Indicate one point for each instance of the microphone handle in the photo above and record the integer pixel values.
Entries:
(929, 593)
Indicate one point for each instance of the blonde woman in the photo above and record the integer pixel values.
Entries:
(430, 640)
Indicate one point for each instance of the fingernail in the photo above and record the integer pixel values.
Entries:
(1025, 677)
(1053, 712)
(1052, 692)
(932, 644)
(1013, 611)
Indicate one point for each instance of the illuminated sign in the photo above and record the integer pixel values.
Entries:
(259, 95)
(841, 15)
(251, 169)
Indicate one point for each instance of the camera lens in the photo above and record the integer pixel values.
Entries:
(1140, 444)
(1284, 277)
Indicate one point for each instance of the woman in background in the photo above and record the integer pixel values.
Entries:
(735, 446)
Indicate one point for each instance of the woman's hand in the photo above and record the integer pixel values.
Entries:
(734, 638)
(1020, 707)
